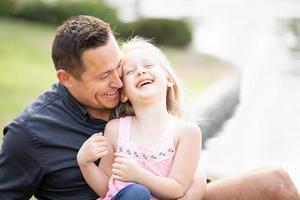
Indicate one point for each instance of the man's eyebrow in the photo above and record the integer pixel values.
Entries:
(103, 73)
(108, 71)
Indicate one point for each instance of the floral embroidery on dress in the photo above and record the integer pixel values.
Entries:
(154, 156)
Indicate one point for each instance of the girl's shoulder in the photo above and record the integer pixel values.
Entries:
(111, 131)
(113, 126)
(114, 123)
(187, 129)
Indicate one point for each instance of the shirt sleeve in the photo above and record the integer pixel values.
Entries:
(20, 166)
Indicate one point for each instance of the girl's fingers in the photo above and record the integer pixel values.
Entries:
(120, 160)
(117, 166)
(116, 172)
(98, 137)
(116, 177)
(101, 154)
(121, 155)
(99, 146)
(101, 150)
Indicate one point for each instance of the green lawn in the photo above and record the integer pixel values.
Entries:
(25, 63)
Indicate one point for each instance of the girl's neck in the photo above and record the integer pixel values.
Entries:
(151, 113)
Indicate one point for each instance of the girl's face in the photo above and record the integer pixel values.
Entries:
(143, 76)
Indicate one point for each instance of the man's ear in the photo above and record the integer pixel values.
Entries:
(64, 78)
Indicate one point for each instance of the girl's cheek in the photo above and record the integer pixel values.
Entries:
(126, 82)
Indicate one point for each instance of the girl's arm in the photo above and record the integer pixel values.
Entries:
(111, 133)
(97, 146)
(182, 171)
(92, 149)
(198, 186)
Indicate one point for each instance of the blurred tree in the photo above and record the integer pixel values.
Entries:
(169, 32)
(55, 12)
(295, 28)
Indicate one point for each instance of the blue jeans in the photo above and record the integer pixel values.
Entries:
(133, 192)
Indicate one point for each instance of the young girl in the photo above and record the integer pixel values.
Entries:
(153, 145)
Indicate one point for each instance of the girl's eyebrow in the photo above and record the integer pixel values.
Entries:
(129, 67)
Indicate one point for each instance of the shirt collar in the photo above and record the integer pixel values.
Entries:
(70, 101)
(74, 105)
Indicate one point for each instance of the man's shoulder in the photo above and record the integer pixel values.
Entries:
(45, 100)
(38, 109)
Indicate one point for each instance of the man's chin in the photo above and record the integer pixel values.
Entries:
(112, 105)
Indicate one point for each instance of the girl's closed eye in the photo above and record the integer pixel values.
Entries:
(129, 71)
(148, 64)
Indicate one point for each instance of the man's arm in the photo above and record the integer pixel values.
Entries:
(260, 184)
(198, 187)
(20, 171)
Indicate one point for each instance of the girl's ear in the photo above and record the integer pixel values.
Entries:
(64, 78)
(170, 83)
(124, 98)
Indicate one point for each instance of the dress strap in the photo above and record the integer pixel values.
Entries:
(124, 132)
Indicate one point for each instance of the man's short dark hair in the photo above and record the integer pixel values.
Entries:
(75, 35)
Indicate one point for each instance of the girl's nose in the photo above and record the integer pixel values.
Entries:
(141, 72)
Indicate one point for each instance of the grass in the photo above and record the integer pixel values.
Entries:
(25, 63)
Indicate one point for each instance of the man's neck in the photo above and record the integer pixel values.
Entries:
(99, 113)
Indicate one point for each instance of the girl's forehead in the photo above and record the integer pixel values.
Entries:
(139, 52)
(145, 53)
(139, 55)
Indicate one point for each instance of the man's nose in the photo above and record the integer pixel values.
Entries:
(116, 81)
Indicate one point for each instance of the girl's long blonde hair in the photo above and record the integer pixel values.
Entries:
(175, 96)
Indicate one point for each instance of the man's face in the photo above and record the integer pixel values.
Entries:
(98, 88)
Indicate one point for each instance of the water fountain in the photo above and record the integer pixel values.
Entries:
(265, 129)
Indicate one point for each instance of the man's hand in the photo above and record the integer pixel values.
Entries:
(92, 149)
(125, 169)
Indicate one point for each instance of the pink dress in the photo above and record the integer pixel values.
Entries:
(157, 159)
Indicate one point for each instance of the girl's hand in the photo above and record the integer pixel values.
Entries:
(125, 168)
(92, 149)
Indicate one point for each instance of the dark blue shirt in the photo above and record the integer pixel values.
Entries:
(38, 154)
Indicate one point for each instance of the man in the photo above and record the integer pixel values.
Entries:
(38, 155)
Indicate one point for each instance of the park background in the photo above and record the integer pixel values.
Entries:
(238, 60)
